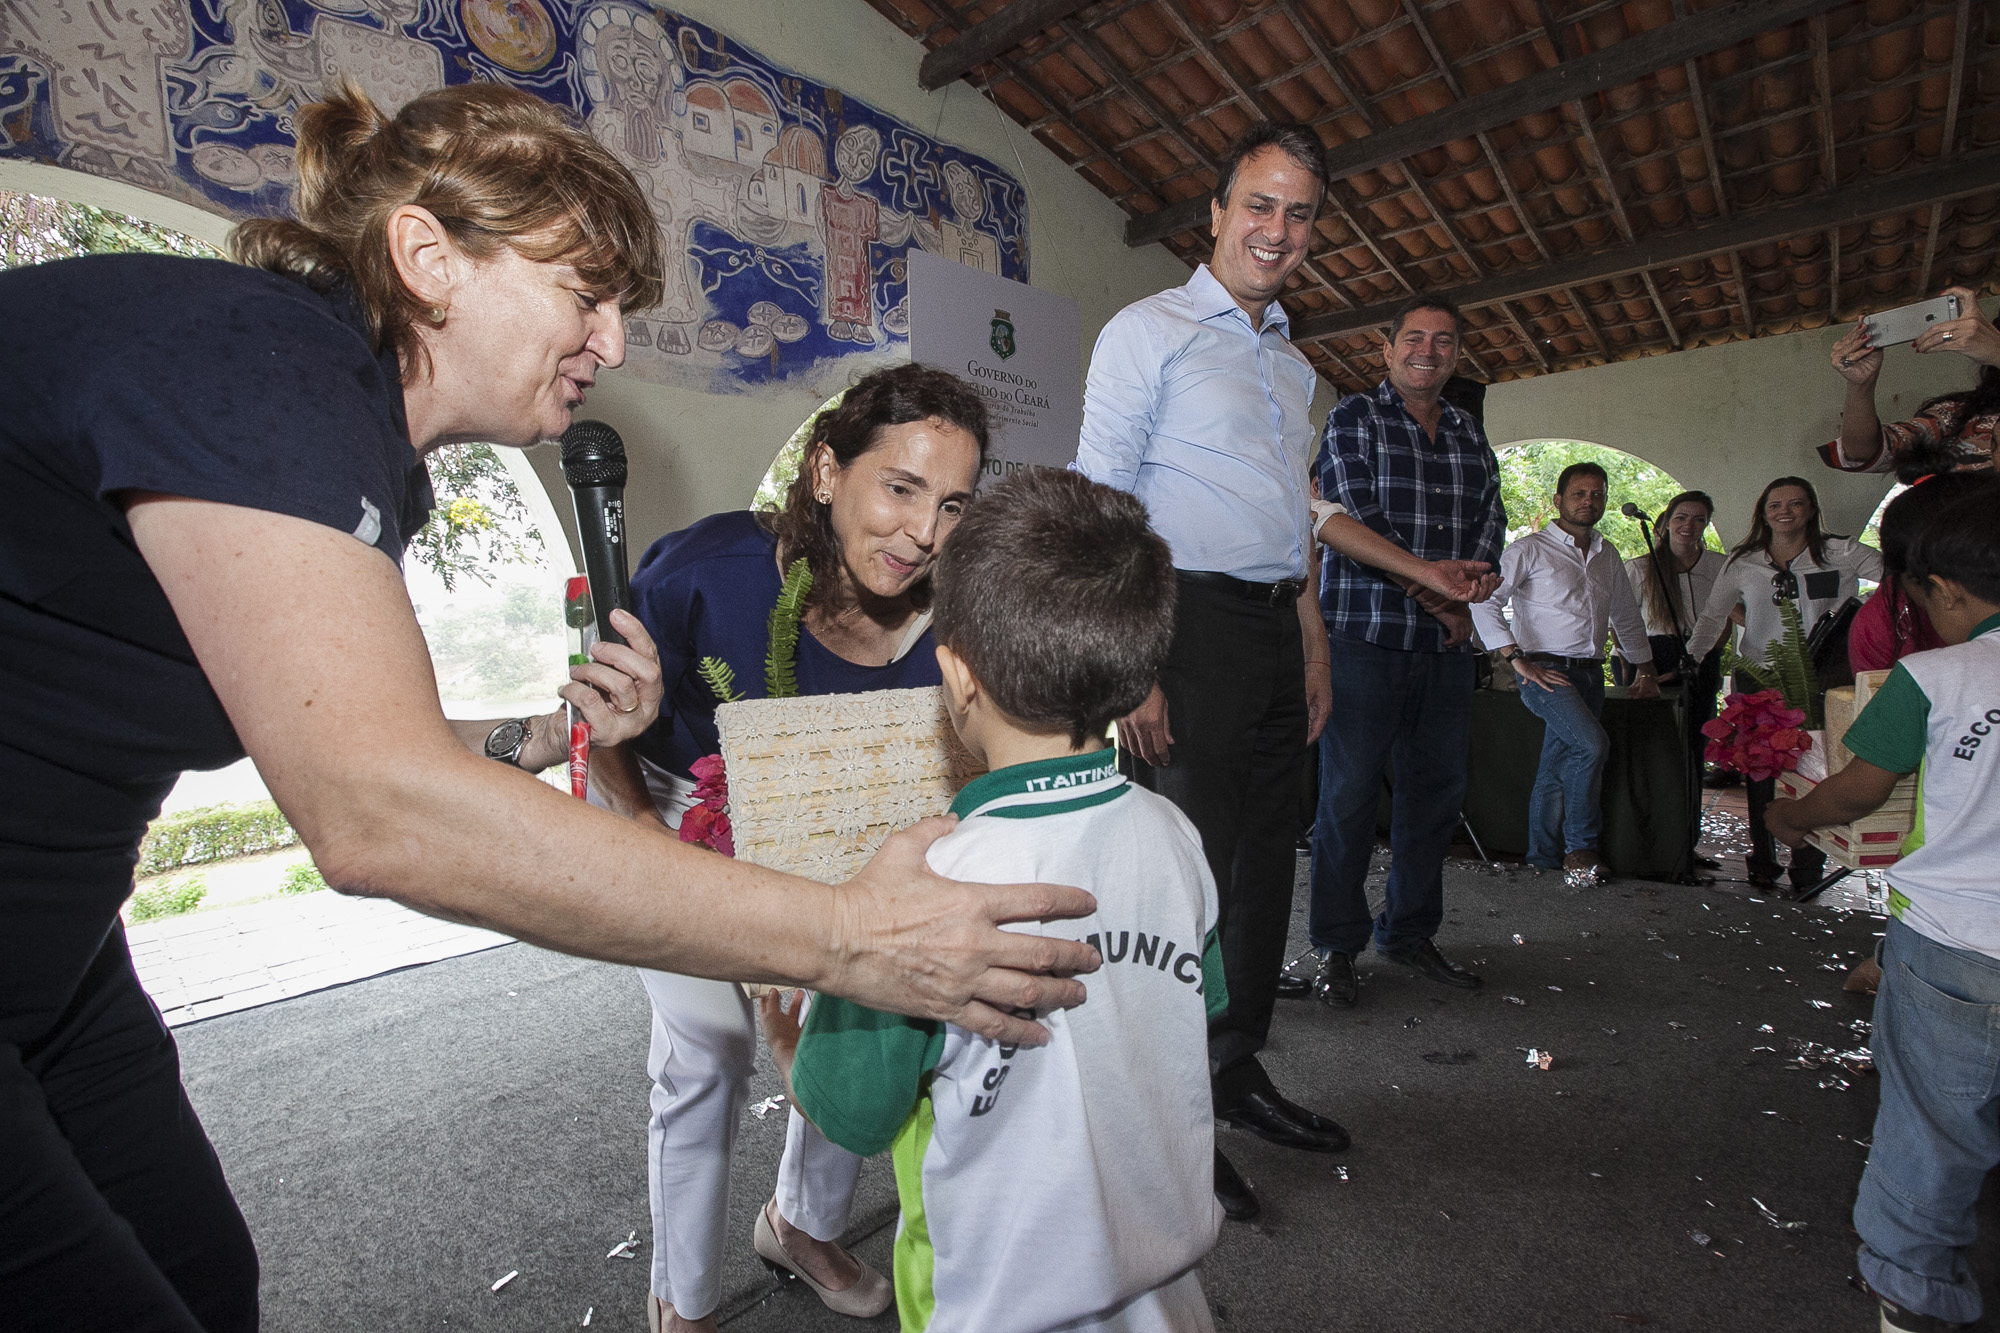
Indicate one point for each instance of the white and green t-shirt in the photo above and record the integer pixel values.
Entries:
(1938, 715)
(1042, 1186)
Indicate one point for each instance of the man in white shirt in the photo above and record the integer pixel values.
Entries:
(1564, 583)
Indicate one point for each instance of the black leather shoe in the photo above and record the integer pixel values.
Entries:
(1264, 1114)
(1312, 1120)
(1292, 986)
(1335, 982)
(1425, 958)
(1233, 1192)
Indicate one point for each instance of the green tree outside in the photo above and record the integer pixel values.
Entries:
(481, 520)
(35, 230)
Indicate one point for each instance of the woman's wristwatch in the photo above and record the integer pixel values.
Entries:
(506, 741)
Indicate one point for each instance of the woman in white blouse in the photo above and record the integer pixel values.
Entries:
(1786, 557)
(1671, 604)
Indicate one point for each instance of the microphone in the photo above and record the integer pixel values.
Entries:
(593, 463)
(1629, 509)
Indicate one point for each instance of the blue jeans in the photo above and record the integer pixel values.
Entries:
(1937, 1134)
(1563, 813)
(1412, 711)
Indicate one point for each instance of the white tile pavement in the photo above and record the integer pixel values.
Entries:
(216, 962)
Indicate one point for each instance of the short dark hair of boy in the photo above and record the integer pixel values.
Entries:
(1962, 543)
(1580, 470)
(1059, 596)
(1416, 303)
(1306, 152)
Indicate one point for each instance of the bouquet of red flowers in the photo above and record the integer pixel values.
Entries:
(707, 821)
(1759, 735)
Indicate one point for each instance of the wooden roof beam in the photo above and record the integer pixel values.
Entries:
(1602, 166)
(1014, 24)
(1894, 194)
(1961, 37)
(1253, 106)
(1699, 100)
(1720, 26)
(1038, 90)
(1829, 164)
(1150, 104)
(1423, 193)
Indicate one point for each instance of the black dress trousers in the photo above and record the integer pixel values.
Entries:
(1234, 680)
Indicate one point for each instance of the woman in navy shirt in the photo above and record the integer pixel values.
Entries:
(887, 471)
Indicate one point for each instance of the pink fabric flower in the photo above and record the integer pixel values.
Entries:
(1759, 735)
(706, 823)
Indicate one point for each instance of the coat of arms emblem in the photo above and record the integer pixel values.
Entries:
(1002, 339)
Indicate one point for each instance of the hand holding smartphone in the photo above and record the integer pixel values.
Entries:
(1907, 323)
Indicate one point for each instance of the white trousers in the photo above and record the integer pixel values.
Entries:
(703, 1049)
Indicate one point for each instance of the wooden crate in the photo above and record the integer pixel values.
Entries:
(1872, 841)
(1843, 704)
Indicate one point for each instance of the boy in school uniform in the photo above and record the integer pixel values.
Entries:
(1068, 1186)
(1936, 1133)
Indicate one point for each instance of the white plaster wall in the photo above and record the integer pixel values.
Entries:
(1727, 419)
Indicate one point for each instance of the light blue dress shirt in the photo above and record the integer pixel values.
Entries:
(1203, 417)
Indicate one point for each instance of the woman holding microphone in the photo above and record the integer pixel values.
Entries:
(200, 529)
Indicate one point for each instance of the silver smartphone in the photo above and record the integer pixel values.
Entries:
(1904, 323)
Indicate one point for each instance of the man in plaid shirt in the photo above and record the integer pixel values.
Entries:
(1416, 476)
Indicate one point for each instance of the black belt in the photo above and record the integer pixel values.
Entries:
(1581, 663)
(1282, 593)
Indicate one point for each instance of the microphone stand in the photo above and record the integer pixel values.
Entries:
(1685, 668)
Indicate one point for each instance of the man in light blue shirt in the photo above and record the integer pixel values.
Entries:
(1197, 404)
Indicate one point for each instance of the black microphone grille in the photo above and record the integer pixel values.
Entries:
(593, 455)
(1631, 510)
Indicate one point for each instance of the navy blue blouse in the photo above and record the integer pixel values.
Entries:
(707, 591)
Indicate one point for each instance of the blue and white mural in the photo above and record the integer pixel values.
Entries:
(792, 204)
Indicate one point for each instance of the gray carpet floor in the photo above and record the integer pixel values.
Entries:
(400, 1144)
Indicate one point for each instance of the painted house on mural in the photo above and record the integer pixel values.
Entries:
(788, 186)
(734, 121)
(709, 128)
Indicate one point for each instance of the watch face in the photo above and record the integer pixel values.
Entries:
(505, 740)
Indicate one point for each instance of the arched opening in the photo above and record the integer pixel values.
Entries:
(1872, 534)
(221, 863)
(1530, 468)
(791, 456)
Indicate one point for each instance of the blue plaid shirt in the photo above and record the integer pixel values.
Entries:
(1439, 499)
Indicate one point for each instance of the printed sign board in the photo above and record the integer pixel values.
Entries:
(1018, 345)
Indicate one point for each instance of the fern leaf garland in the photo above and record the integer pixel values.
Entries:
(1787, 666)
(721, 678)
(780, 677)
